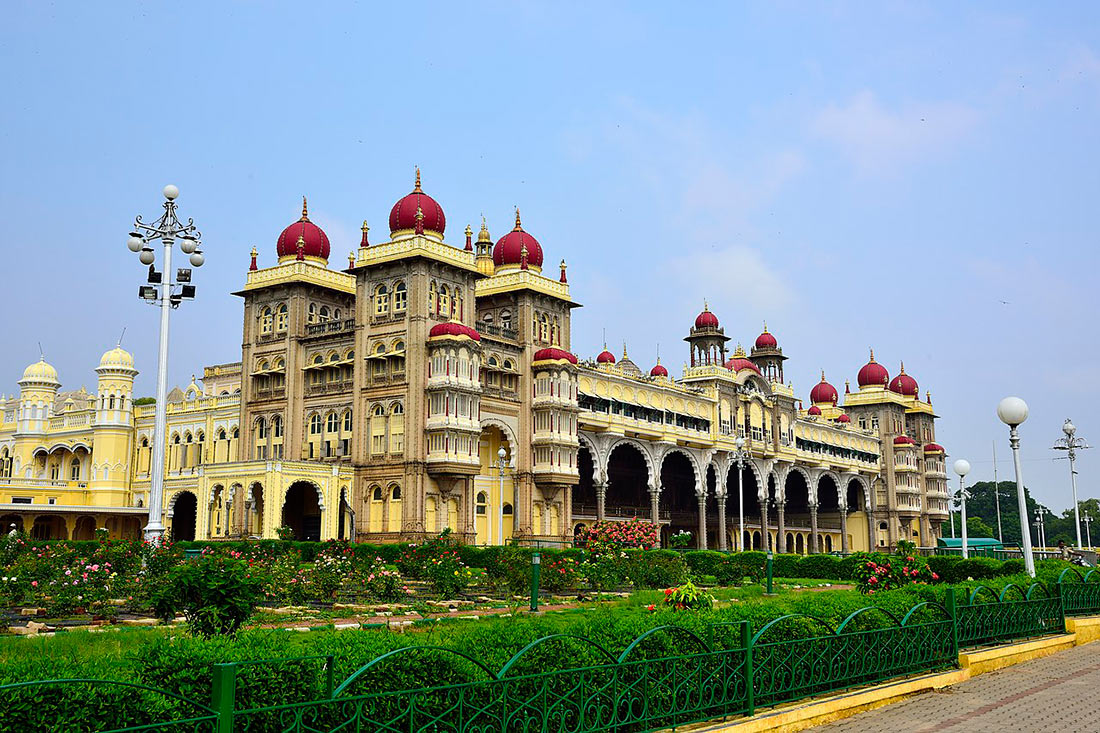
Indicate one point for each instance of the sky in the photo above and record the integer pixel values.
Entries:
(917, 178)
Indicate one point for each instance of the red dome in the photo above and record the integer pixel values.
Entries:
(872, 374)
(706, 319)
(814, 410)
(403, 213)
(904, 384)
(658, 371)
(605, 357)
(453, 328)
(824, 393)
(904, 440)
(509, 248)
(314, 239)
(554, 354)
(738, 363)
(766, 340)
(843, 418)
(933, 448)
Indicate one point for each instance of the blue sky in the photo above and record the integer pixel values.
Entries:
(917, 178)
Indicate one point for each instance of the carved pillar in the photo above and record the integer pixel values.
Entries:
(764, 539)
(702, 541)
(844, 529)
(781, 535)
(814, 538)
(871, 544)
(654, 505)
(723, 530)
(601, 500)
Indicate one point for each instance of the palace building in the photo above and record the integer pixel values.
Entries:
(428, 386)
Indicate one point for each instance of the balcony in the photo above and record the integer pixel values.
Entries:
(490, 329)
(588, 511)
(323, 329)
(277, 393)
(329, 387)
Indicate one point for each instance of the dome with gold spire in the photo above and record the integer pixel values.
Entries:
(872, 374)
(417, 212)
(314, 241)
(509, 250)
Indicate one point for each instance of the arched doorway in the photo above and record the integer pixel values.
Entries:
(583, 495)
(49, 527)
(346, 529)
(184, 511)
(302, 511)
(627, 483)
(678, 494)
(744, 500)
(828, 510)
(796, 514)
(84, 529)
(255, 510)
(8, 522)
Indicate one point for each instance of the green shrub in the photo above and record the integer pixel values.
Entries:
(606, 571)
(656, 568)
(824, 567)
(215, 592)
(688, 597)
(704, 562)
(787, 566)
(740, 565)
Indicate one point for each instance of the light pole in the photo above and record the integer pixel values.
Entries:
(1013, 411)
(1088, 530)
(962, 467)
(740, 456)
(1039, 538)
(1070, 444)
(501, 463)
(162, 290)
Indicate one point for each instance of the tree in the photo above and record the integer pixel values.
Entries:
(976, 527)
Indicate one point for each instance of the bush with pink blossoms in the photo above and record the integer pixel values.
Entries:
(631, 534)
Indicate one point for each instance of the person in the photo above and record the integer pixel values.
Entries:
(14, 530)
(1063, 550)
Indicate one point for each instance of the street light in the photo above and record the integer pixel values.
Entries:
(962, 467)
(1013, 411)
(1070, 444)
(501, 463)
(160, 290)
(1088, 530)
(739, 454)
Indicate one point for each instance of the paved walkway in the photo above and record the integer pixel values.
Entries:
(1054, 694)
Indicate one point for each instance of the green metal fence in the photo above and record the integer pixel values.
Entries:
(645, 688)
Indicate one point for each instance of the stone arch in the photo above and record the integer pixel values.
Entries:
(852, 498)
(303, 509)
(509, 435)
(185, 504)
(642, 448)
(692, 459)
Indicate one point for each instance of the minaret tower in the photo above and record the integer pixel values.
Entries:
(707, 339)
(113, 426)
(484, 251)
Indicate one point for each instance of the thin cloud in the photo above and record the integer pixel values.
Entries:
(879, 140)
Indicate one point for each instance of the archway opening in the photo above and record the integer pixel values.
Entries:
(678, 494)
(828, 508)
(84, 529)
(711, 508)
(183, 517)
(796, 512)
(583, 496)
(302, 512)
(744, 499)
(8, 522)
(49, 527)
(627, 483)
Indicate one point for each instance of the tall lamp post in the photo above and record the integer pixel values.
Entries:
(962, 467)
(1088, 530)
(1070, 444)
(739, 455)
(501, 463)
(1013, 411)
(1040, 529)
(168, 293)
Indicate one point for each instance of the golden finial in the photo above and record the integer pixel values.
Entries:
(903, 367)
(416, 188)
(351, 259)
(624, 348)
(706, 306)
(519, 225)
(928, 396)
(305, 210)
(765, 326)
(364, 228)
(255, 253)
(872, 356)
(483, 235)
(363, 241)
(822, 375)
(562, 278)
(739, 352)
(469, 231)
(301, 247)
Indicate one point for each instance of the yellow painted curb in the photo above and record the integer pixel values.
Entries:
(809, 713)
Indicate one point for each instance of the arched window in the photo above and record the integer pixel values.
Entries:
(381, 301)
(347, 421)
(221, 436)
(396, 493)
(444, 301)
(236, 433)
(315, 425)
(74, 473)
(544, 328)
(377, 494)
(323, 315)
(312, 315)
(400, 297)
(332, 423)
(378, 411)
(336, 314)
(281, 318)
(277, 426)
(457, 308)
(506, 510)
(266, 321)
(433, 299)
(261, 429)
(397, 409)
(506, 318)
(482, 504)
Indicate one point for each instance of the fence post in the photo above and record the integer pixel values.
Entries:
(330, 675)
(952, 611)
(746, 644)
(222, 694)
